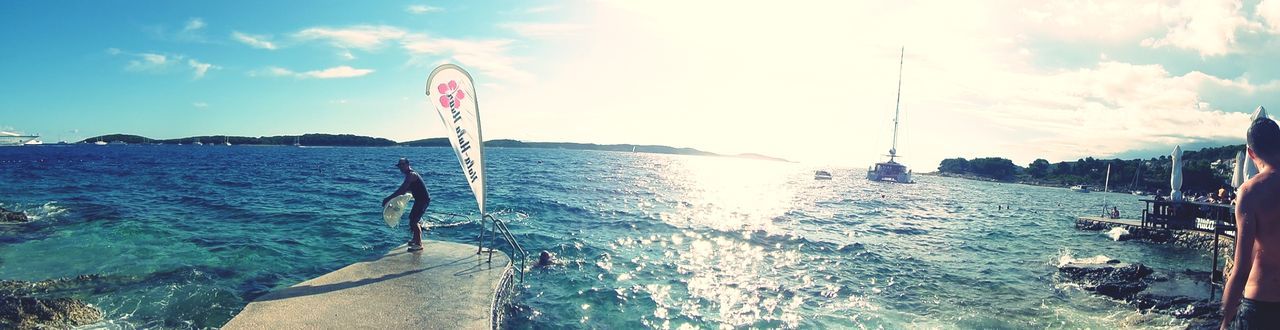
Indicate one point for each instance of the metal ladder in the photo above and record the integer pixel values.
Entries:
(518, 253)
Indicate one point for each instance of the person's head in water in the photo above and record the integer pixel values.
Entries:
(403, 165)
(545, 259)
(1264, 142)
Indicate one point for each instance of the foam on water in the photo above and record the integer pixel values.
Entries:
(1067, 257)
(1117, 232)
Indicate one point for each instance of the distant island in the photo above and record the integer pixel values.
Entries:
(348, 140)
(1203, 171)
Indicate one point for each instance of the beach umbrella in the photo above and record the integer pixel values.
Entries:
(1249, 168)
(1237, 176)
(1175, 179)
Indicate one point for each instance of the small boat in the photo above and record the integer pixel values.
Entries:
(100, 142)
(821, 175)
(34, 142)
(1080, 188)
(197, 143)
(297, 141)
(226, 141)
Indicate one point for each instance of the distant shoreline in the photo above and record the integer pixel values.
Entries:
(349, 140)
(972, 177)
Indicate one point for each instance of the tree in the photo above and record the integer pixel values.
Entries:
(1038, 169)
(993, 167)
(954, 165)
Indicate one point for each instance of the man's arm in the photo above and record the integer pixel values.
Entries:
(1246, 218)
(404, 188)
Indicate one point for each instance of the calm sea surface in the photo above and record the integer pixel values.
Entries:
(186, 236)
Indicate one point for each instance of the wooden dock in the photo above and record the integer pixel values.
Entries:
(1192, 224)
(445, 286)
(1110, 221)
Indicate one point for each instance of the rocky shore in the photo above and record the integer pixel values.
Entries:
(1183, 295)
(1184, 238)
(7, 216)
(30, 305)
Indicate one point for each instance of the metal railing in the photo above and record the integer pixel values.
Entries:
(518, 252)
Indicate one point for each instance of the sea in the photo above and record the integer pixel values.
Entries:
(183, 237)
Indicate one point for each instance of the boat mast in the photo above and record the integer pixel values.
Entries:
(893, 151)
(1107, 183)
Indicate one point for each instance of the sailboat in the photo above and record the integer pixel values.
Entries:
(226, 140)
(892, 170)
(297, 141)
(1137, 175)
(197, 143)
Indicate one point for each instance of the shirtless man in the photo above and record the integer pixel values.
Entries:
(421, 199)
(1251, 298)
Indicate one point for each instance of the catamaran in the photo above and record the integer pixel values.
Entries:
(892, 170)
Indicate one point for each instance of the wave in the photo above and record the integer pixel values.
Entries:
(1117, 232)
(47, 211)
(1065, 257)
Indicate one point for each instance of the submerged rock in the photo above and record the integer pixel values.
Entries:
(1113, 279)
(31, 313)
(7, 216)
(1180, 294)
(66, 285)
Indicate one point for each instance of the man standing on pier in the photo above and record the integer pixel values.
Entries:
(1251, 297)
(421, 199)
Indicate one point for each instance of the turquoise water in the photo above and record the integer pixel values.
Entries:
(186, 236)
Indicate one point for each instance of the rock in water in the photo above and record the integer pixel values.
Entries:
(1115, 280)
(13, 216)
(31, 313)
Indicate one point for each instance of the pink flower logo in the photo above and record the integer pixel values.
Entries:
(451, 93)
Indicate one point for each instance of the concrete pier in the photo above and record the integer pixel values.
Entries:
(445, 286)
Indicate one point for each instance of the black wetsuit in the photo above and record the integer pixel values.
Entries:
(421, 199)
(1255, 314)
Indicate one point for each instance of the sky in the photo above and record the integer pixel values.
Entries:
(810, 81)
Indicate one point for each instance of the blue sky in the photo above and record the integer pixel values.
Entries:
(810, 80)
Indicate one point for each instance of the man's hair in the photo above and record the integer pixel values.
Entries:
(1264, 138)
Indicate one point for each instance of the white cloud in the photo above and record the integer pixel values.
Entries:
(346, 54)
(1206, 26)
(162, 63)
(193, 24)
(422, 9)
(200, 105)
(148, 62)
(330, 73)
(338, 72)
(254, 41)
(201, 68)
(1106, 110)
(543, 30)
(1074, 20)
(487, 56)
(366, 37)
(1269, 11)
